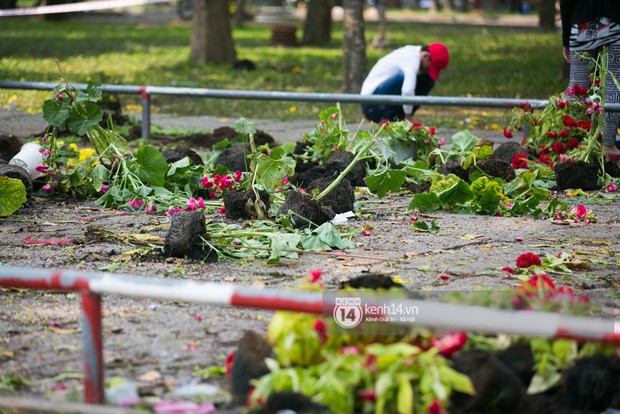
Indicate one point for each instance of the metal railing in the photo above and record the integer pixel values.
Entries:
(145, 93)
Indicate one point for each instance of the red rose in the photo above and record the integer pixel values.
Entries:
(432, 130)
(569, 122)
(507, 132)
(545, 159)
(572, 143)
(551, 134)
(563, 133)
(520, 161)
(585, 124)
(320, 328)
(528, 259)
(450, 343)
(558, 147)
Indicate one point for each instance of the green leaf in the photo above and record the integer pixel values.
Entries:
(84, 118)
(404, 404)
(243, 126)
(100, 175)
(153, 165)
(56, 113)
(422, 226)
(181, 165)
(270, 171)
(457, 193)
(463, 141)
(222, 145)
(456, 380)
(386, 181)
(425, 202)
(12, 195)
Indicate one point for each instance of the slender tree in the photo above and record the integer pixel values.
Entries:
(211, 39)
(318, 23)
(354, 46)
(546, 15)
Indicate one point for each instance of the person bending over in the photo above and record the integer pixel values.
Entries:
(408, 71)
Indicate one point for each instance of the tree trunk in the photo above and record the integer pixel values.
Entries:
(435, 6)
(490, 5)
(354, 46)
(380, 40)
(240, 14)
(449, 4)
(546, 15)
(211, 40)
(318, 23)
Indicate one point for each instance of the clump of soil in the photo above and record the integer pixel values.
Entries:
(340, 199)
(495, 168)
(240, 204)
(235, 158)
(507, 151)
(577, 174)
(453, 167)
(184, 239)
(306, 210)
(9, 147)
(613, 168)
(306, 172)
(177, 154)
(338, 162)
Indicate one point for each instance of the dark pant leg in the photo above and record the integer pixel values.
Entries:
(393, 86)
(423, 86)
(378, 113)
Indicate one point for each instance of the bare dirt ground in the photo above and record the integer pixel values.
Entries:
(158, 344)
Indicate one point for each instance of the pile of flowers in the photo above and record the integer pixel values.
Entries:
(569, 127)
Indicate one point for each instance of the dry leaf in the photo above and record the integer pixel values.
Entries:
(150, 376)
(64, 331)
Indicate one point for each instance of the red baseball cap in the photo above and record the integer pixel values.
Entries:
(439, 59)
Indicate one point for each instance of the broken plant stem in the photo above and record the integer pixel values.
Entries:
(64, 79)
(319, 252)
(361, 154)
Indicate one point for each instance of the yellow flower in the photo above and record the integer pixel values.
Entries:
(297, 69)
(73, 147)
(292, 109)
(85, 153)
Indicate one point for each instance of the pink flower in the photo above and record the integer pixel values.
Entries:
(192, 347)
(206, 183)
(42, 168)
(518, 239)
(366, 233)
(150, 208)
(47, 188)
(612, 188)
(315, 275)
(45, 152)
(200, 203)
(435, 408)
(135, 203)
(238, 175)
(580, 212)
(441, 143)
(222, 210)
(284, 181)
(414, 218)
(562, 103)
(198, 317)
(444, 276)
(59, 96)
(367, 395)
(191, 204)
(349, 350)
(173, 211)
(528, 259)
(104, 188)
(321, 329)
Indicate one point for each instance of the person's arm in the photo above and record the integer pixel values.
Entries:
(410, 68)
(566, 13)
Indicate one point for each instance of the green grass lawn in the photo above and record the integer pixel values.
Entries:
(485, 61)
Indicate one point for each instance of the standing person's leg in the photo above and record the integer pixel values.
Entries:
(378, 113)
(423, 86)
(612, 95)
(579, 72)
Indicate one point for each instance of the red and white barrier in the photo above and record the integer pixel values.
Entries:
(77, 7)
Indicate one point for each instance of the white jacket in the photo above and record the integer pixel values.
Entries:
(405, 59)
